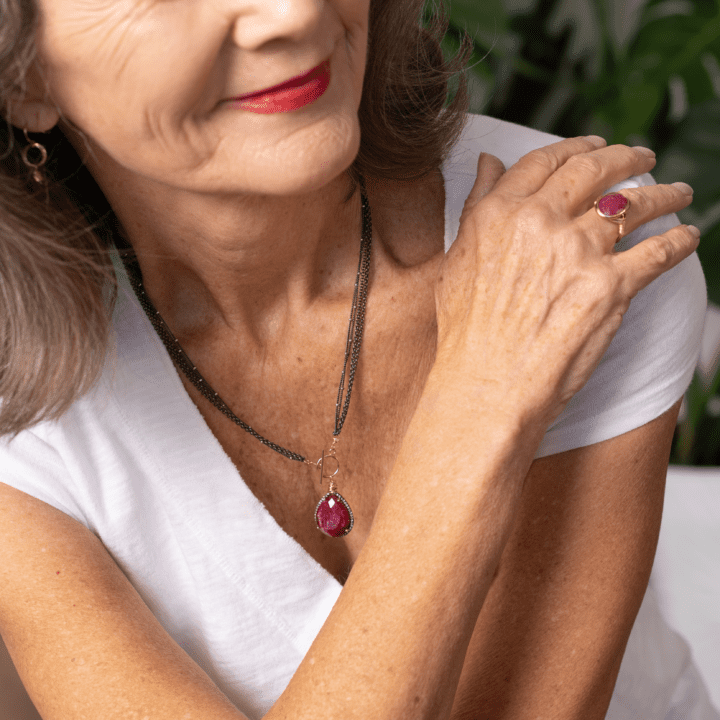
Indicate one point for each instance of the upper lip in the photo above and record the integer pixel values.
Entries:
(292, 82)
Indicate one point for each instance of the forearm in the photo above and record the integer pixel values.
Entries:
(395, 642)
(392, 647)
(552, 632)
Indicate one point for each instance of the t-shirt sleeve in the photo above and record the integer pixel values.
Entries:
(30, 464)
(651, 360)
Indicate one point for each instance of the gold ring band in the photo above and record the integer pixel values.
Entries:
(613, 206)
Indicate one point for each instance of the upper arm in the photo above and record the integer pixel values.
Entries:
(83, 641)
(552, 632)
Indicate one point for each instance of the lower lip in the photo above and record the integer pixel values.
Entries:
(289, 98)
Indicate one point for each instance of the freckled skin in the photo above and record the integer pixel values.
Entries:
(177, 160)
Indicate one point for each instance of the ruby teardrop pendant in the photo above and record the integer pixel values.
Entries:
(333, 515)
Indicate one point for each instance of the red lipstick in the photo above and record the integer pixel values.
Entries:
(291, 95)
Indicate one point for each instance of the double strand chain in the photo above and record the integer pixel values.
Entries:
(334, 521)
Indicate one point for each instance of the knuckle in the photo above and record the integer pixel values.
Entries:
(585, 164)
(625, 155)
(615, 321)
(534, 216)
(494, 204)
(664, 195)
(651, 202)
(640, 202)
(489, 207)
(599, 289)
(662, 251)
(545, 158)
(630, 154)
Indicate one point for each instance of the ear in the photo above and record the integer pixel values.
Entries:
(31, 106)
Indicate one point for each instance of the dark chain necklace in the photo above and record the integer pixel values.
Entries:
(332, 514)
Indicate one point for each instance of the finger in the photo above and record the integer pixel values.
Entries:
(490, 170)
(646, 261)
(585, 176)
(646, 204)
(532, 171)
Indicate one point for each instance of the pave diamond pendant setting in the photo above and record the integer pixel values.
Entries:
(333, 515)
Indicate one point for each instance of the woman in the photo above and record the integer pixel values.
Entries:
(465, 538)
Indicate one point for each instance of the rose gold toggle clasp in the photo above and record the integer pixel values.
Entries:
(328, 465)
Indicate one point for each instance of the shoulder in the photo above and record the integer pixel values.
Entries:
(508, 141)
(650, 362)
(73, 462)
(505, 140)
(32, 464)
(482, 134)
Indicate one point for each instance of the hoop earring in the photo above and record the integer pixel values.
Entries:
(34, 166)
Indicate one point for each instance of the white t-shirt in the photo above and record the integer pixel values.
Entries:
(135, 462)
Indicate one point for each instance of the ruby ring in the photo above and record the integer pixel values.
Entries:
(613, 206)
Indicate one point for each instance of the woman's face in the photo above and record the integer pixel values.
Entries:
(150, 83)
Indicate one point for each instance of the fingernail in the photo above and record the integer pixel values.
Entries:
(693, 231)
(644, 150)
(596, 140)
(683, 187)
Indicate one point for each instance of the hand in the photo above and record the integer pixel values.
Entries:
(531, 293)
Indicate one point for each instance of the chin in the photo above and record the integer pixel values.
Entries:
(306, 163)
(307, 179)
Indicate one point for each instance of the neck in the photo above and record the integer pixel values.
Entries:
(244, 264)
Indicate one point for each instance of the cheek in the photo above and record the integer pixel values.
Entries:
(355, 19)
(356, 10)
(106, 60)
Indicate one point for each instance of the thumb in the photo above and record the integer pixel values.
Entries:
(490, 170)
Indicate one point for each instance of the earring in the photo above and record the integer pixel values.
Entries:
(41, 158)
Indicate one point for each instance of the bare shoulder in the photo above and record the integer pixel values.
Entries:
(82, 639)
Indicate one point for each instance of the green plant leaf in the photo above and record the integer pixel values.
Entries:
(485, 20)
(709, 253)
(582, 20)
(693, 156)
(633, 109)
(680, 38)
(697, 82)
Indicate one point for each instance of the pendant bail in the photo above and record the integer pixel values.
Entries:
(333, 466)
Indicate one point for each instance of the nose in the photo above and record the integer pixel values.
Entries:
(258, 23)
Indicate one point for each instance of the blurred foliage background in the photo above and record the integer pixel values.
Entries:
(639, 72)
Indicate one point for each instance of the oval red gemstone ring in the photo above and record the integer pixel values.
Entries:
(613, 206)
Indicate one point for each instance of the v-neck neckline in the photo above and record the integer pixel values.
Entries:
(191, 454)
